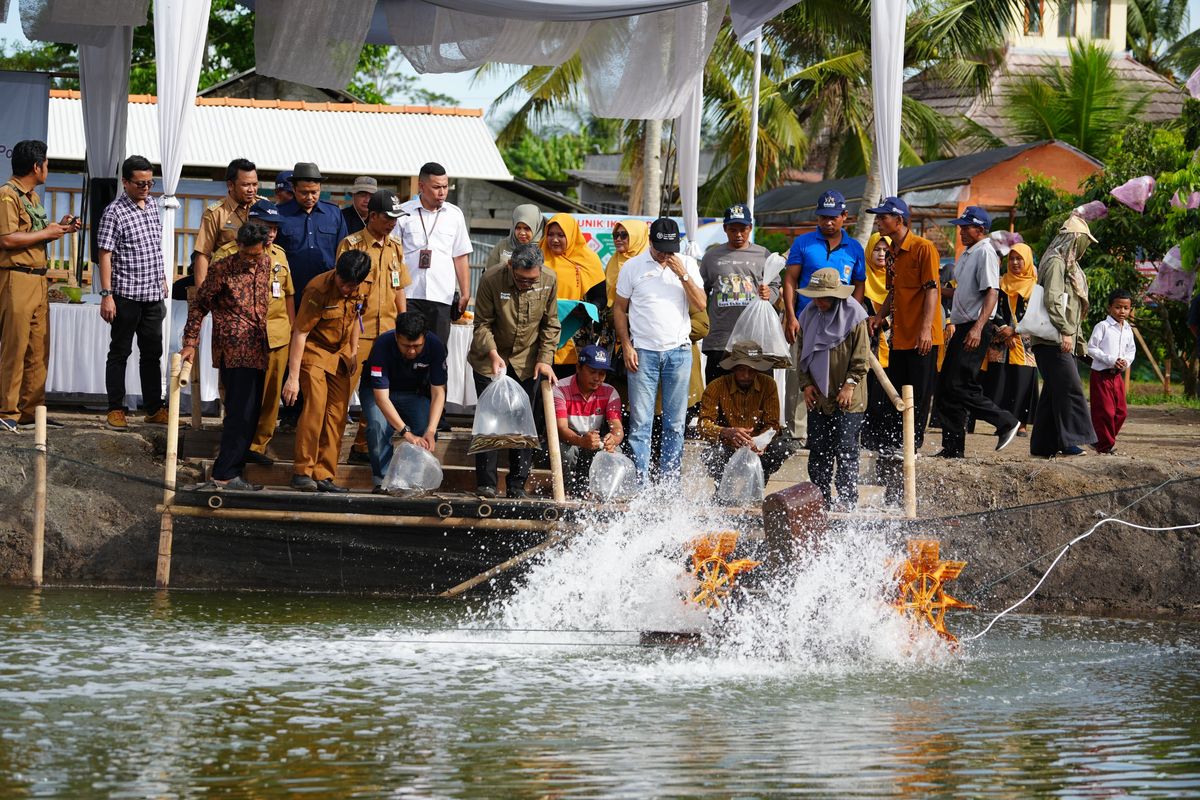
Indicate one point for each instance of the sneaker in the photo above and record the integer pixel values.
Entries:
(359, 457)
(327, 485)
(1004, 438)
(9, 426)
(157, 418)
(255, 457)
(486, 492)
(238, 484)
(51, 422)
(116, 421)
(303, 483)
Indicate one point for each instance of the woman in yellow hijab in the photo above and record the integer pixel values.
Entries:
(577, 266)
(631, 237)
(876, 433)
(1010, 376)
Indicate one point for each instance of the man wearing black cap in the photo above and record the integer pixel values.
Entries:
(734, 274)
(977, 279)
(656, 291)
(310, 229)
(283, 187)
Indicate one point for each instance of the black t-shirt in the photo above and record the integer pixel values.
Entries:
(390, 370)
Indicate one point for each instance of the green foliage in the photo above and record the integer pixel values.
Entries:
(1037, 201)
(774, 241)
(547, 158)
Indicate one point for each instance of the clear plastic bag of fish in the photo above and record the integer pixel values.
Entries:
(503, 419)
(413, 469)
(759, 323)
(742, 482)
(612, 476)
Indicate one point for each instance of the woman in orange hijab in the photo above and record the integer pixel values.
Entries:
(577, 266)
(1010, 376)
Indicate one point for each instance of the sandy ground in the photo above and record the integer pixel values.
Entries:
(996, 510)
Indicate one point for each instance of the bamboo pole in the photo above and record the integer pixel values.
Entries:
(166, 528)
(910, 453)
(369, 520)
(39, 494)
(556, 473)
(1166, 384)
(886, 382)
(505, 566)
(193, 379)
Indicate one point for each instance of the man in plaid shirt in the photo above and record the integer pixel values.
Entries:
(132, 288)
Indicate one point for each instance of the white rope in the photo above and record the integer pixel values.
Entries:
(1062, 553)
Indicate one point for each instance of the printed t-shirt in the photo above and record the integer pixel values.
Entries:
(731, 280)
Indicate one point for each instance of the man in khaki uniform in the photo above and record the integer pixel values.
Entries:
(281, 312)
(24, 307)
(323, 358)
(383, 301)
(222, 219)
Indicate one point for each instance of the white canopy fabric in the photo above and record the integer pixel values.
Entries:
(104, 84)
(888, 19)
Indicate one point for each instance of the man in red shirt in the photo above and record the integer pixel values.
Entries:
(589, 417)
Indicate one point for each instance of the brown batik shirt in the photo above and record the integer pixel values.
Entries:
(237, 290)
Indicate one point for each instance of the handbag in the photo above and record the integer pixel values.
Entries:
(1036, 322)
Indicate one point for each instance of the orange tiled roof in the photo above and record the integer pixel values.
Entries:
(295, 105)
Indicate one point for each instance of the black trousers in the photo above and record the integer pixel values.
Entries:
(143, 320)
(833, 441)
(437, 316)
(712, 365)
(916, 370)
(243, 401)
(1063, 419)
(520, 462)
(959, 393)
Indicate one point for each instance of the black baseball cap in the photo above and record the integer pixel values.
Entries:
(664, 235)
(385, 202)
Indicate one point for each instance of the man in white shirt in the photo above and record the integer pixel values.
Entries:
(656, 293)
(437, 247)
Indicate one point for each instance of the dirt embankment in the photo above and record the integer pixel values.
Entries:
(998, 511)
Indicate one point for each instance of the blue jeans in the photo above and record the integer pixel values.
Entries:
(672, 370)
(413, 409)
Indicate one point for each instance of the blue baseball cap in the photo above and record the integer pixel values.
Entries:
(738, 214)
(596, 357)
(891, 205)
(264, 210)
(974, 215)
(831, 204)
(283, 181)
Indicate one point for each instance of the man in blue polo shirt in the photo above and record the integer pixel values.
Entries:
(407, 371)
(827, 246)
(309, 227)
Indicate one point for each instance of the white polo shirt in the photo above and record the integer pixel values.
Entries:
(445, 233)
(659, 318)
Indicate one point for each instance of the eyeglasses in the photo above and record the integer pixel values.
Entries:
(620, 235)
(141, 184)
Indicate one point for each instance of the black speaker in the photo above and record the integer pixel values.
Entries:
(101, 192)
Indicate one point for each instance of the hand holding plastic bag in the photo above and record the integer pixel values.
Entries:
(503, 419)
(612, 476)
(742, 482)
(760, 323)
(412, 468)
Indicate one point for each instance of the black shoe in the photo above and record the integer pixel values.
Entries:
(486, 492)
(1004, 438)
(1072, 451)
(327, 485)
(238, 484)
(357, 457)
(518, 494)
(51, 422)
(378, 490)
(947, 454)
(303, 483)
(255, 457)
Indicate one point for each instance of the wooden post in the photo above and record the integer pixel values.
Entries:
(193, 379)
(39, 494)
(1166, 384)
(910, 453)
(560, 492)
(166, 529)
(886, 383)
(517, 560)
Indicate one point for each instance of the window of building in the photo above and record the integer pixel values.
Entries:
(1033, 17)
(1066, 19)
(1100, 15)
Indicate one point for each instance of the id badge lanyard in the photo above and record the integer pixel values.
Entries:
(425, 258)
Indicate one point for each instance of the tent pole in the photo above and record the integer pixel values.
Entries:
(752, 151)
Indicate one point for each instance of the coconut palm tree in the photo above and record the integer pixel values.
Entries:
(1154, 31)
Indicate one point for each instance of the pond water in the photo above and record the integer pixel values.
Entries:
(814, 687)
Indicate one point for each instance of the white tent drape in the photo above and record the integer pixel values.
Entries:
(104, 90)
(752, 152)
(688, 157)
(180, 32)
(887, 86)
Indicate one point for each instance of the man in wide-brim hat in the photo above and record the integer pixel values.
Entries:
(738, 407)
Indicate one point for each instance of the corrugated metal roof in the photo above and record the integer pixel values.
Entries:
(343, 139)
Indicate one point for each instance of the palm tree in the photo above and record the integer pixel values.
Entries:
(1153, 33)
(1083, 104)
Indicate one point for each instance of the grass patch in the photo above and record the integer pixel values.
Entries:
(1151, 394)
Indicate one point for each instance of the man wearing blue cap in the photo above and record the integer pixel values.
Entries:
(733, 275)
(977, 278)
(588, 411)
(283, 187)
(826, 247)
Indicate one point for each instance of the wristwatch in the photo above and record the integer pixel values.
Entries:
(105, 292)
(851, 382)
(404, 431)
(685, 277)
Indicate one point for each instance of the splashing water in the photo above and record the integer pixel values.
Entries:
(827, 611)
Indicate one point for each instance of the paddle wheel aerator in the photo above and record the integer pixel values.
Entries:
(920, 590)
(716, 574)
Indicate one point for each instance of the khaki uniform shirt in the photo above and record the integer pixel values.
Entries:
(279, 325)
(15, 219)
(219, 226)
(522, 327)
(388, 275)
(329, 320)
(848, 360)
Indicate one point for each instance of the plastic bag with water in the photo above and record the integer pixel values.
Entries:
(503, 418)
(759, 323)
(742, 482)
(612, 476)
(412, 469)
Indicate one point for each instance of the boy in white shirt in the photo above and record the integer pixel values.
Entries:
(1112, 350)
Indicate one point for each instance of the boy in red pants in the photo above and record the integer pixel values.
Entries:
(1112, 349)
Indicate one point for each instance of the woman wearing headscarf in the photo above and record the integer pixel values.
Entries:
(1010, 372)
(630, 238)
(527, 224)
(1062, 422)
(834, 347)
(580, 274)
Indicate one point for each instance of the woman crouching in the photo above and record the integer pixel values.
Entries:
(834, 348)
